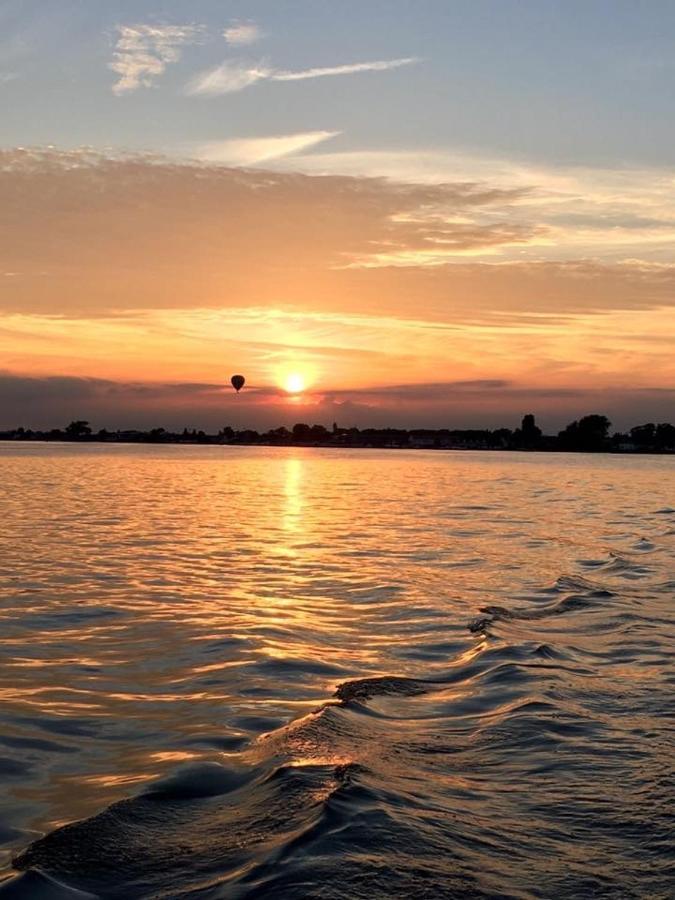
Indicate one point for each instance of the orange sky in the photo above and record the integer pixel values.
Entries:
(132, 288)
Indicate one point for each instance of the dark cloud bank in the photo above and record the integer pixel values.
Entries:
(49, 402)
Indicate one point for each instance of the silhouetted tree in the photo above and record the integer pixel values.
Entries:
(318, 433)
(589, 433)
(531, 432)
(78, 429)
(664, 436)
(501, 437)
(301, 432)
(248, 436)
(643, 435)
(279, 435)
(528, 435)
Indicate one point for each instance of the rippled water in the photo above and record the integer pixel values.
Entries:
(298, 673)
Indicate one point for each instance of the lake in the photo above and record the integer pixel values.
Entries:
(256, 672)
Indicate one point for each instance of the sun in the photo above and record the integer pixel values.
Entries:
(294, 383)
(295, 378)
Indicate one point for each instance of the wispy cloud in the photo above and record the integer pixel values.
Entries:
(615, 214)
(228, 78)
(380, 65)
(250, 151)
(239, 34)
(234, 75)
(143, 52)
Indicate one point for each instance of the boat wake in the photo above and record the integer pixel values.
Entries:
(403, 787)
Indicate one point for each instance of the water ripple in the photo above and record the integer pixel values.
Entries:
(234, 673)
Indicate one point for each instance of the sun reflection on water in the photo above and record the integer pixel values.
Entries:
(293, 507)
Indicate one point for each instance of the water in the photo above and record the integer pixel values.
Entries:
(320, 674)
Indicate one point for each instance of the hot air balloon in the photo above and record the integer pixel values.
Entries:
(237, 382)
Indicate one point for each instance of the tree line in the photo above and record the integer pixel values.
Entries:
(588, 434)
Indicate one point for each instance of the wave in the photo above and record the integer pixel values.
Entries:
(586, 596)
(398, 786)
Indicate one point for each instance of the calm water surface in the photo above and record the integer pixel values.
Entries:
(320, 674)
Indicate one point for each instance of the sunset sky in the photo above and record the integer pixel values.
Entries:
(429, 212)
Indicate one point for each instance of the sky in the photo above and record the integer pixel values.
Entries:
(420, 212)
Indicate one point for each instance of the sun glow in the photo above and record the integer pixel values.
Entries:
(294, 383)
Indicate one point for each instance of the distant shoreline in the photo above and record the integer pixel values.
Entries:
(589, 434)
(610, 451)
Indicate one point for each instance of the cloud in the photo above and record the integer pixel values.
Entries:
(382, 65)
(446, 393)
(121, 233)
(228, 78)
(449, 405)
(87, 232)
(250, 151)
(54, 400)
(147, 268)
(143, 52)
(235, 75)
(614, 214)
(239, 34)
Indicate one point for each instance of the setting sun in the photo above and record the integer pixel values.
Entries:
(294, 383)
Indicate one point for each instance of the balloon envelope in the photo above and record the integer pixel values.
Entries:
(237, 381)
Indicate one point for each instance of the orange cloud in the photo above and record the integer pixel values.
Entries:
(144, 269)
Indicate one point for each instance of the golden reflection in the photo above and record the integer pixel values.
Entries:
(106, 781)
(23, 662)
(293, 508)
(173, 755)
(335, 759)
